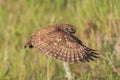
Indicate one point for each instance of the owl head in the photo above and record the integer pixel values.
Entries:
(68, 28)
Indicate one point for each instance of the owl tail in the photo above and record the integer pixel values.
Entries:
(28, 44)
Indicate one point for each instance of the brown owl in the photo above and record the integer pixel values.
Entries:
(58, 41)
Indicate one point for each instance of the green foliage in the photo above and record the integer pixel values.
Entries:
(97, 23)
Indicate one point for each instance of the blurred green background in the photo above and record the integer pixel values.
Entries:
(98, 26)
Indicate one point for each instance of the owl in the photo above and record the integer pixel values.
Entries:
(58, 41)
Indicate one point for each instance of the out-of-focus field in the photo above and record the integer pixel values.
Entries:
(98, 26)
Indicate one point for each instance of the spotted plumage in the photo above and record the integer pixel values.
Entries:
(58, 41)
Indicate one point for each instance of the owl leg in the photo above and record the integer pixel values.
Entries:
(67, 70)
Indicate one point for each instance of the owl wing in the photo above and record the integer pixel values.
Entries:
(62, 46)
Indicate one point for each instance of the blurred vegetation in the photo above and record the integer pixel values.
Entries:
(97, 23)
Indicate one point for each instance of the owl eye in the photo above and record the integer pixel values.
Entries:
(71, 30)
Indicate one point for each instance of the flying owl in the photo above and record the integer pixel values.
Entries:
(58, 41)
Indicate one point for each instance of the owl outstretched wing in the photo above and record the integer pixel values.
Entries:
(62, 46)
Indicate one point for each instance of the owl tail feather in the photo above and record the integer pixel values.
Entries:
(28, 44)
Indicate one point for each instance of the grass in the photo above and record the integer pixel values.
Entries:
(97, 23)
